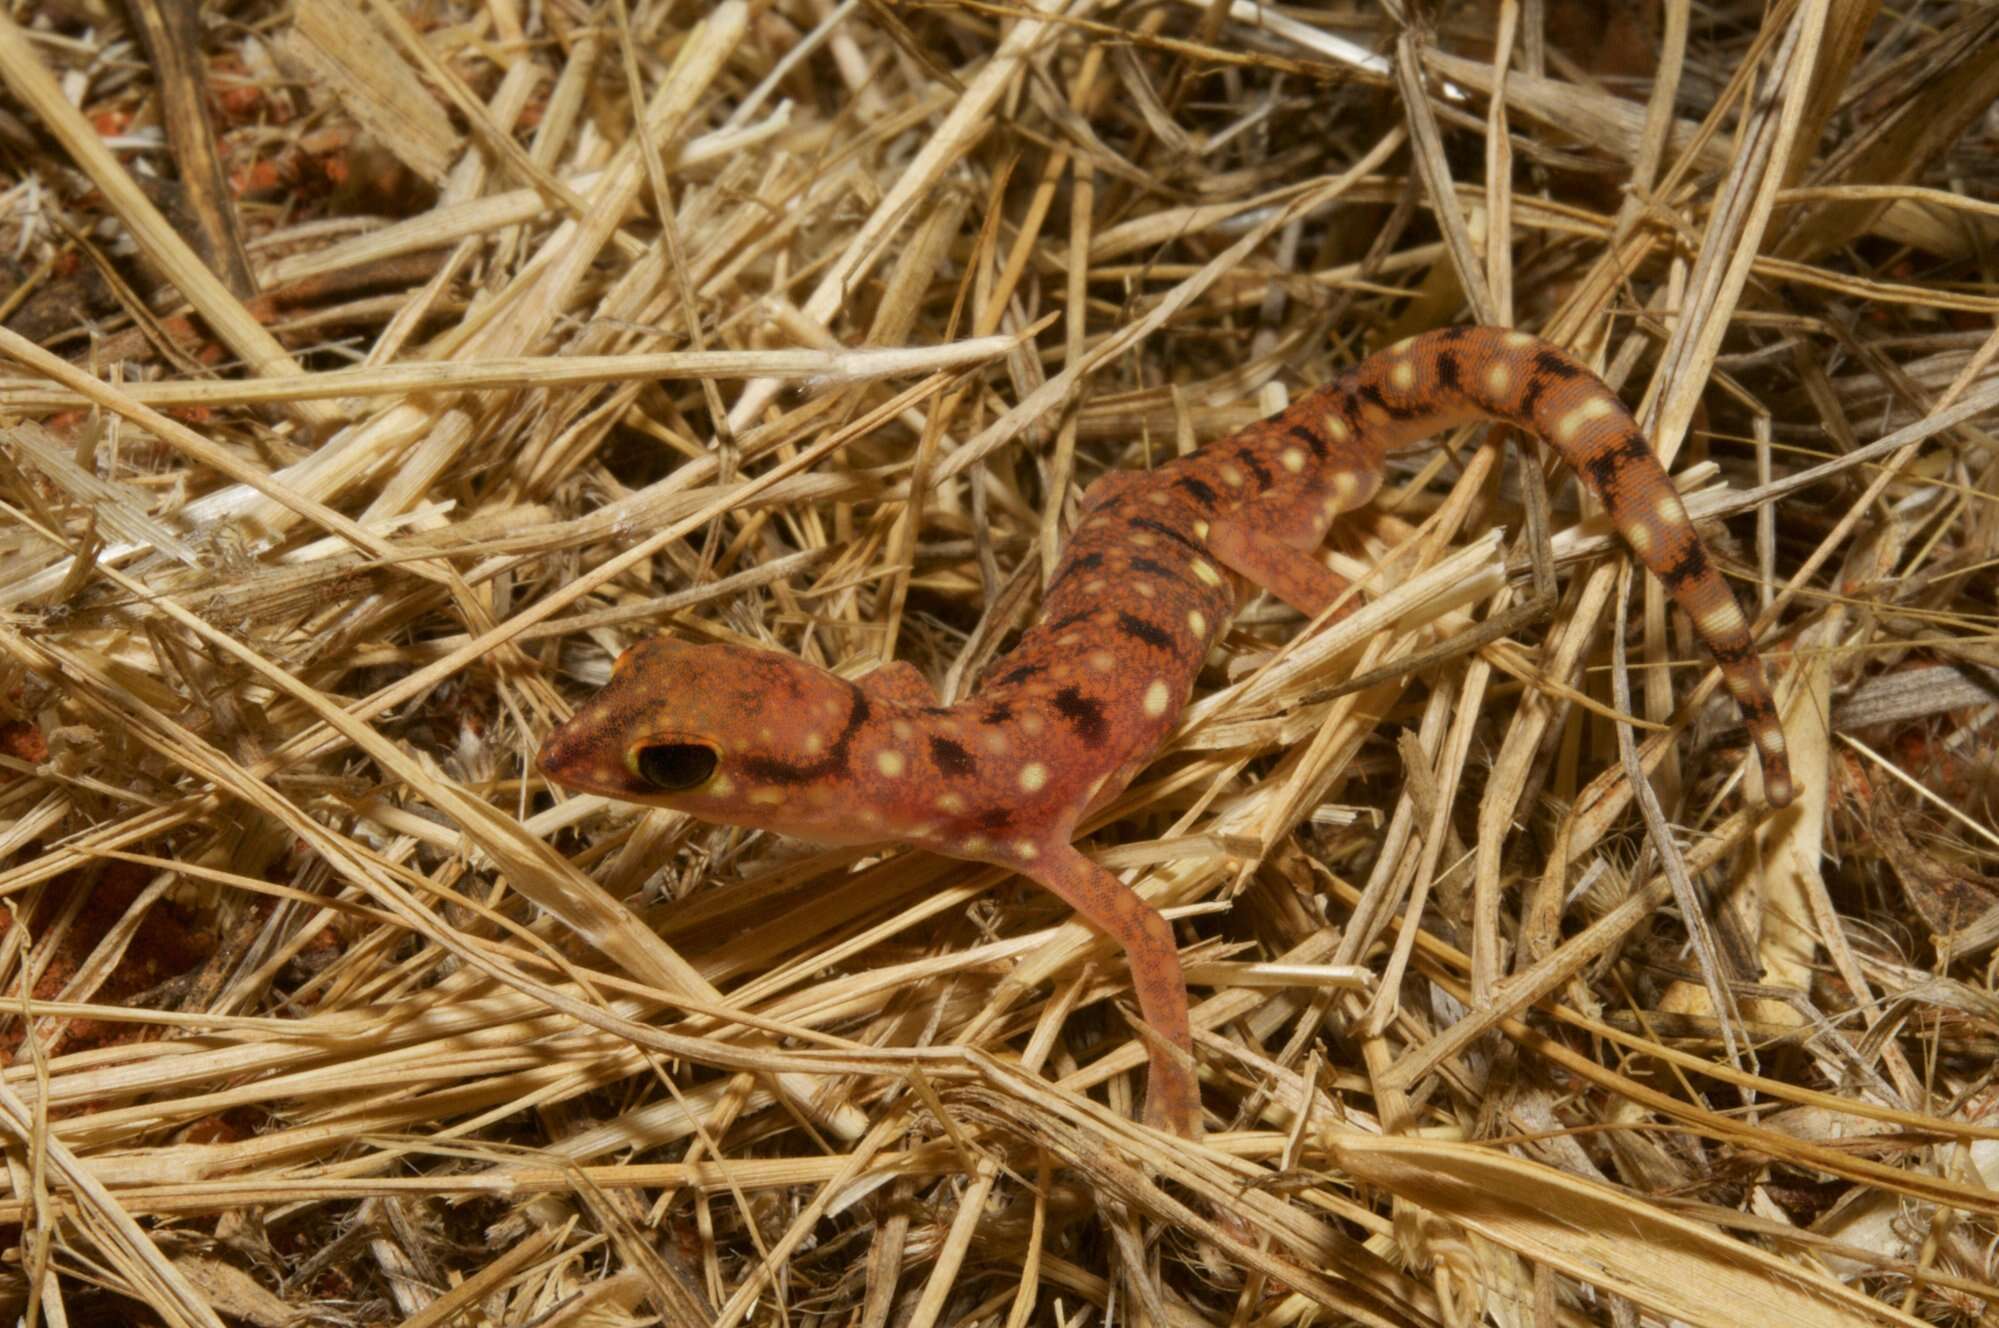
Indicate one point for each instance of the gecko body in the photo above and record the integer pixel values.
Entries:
(1149, 579)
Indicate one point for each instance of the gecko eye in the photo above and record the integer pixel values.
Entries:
(673, 767)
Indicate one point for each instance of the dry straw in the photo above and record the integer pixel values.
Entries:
(333, 474)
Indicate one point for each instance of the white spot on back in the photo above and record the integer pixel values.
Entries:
(721, 786)
(1206, 572)
(1591, 408)
(1337, 430)
(1026, 851)
(767, 797)
(1669, 511)
(1403, 376)
(1157, 697)
(1033, 776)
(1197, 623)
(1499, 380)
(950, 804)
(1103, 661)
(890, 763)
(1293, 459)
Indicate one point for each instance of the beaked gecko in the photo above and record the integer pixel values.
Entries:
(1150, 577)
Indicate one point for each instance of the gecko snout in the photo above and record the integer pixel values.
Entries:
(575, 756)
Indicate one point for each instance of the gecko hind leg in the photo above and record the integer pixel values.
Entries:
(1537, 606)
(1172, 1094)
(1273, 542)
(1293, 576)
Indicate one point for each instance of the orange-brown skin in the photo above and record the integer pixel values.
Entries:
(1144, 589)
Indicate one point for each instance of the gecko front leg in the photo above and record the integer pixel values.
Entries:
(898, 682)
(1172, 1093)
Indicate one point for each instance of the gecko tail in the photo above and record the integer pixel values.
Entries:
(1429, 382)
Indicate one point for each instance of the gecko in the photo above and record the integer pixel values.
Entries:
(1150, 577)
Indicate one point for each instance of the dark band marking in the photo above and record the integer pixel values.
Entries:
(1373, 395)
(1310, 438)
(1732, 650)
(1691, 563)
(1085, 715)
(1139, 629)
(770, 771)
(1146, 565)
(1531, 397)
(1447, 372)
(1556, 365)
(1068, 620)
(997, 713)
(1601, 472)
(1616, 460)
(1161, 528)
(1254, 466)
(951, 758)
(996, 818)
(1018, 673)
(1629, 446)
(1082, 562)
(1202, 493)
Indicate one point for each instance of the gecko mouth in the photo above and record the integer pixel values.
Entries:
(675, 767)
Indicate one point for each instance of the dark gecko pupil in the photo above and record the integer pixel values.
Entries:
(673, 767)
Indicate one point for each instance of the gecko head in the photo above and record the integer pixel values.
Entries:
(724, 732)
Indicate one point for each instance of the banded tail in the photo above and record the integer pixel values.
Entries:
(1430, 382)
